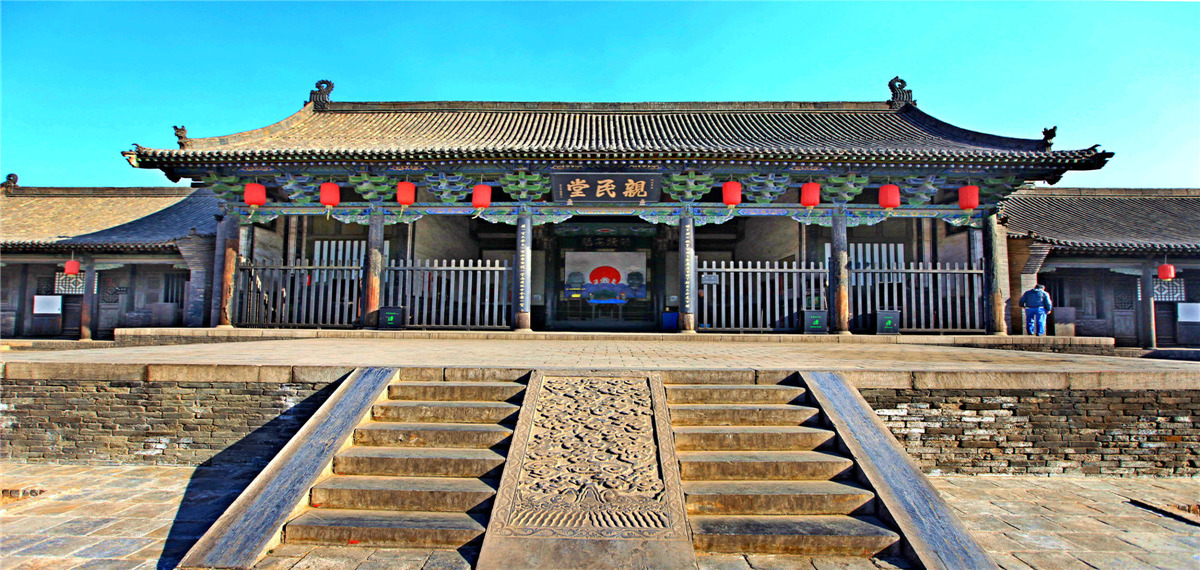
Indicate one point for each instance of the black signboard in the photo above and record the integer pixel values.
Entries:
(593, 188)
(391, 317)
(816, 322)
(887, 322)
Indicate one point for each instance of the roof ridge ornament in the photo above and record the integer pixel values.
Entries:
(10, 183)
(900, 95)
(1048, 136)
(319, 97)
(181, 134)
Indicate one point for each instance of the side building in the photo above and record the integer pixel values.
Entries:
(145, 254)
(1098, 249)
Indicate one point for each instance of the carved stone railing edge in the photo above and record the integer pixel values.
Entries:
(932, 534)
(253, 524)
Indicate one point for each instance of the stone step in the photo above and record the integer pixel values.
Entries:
(456, 391)
(775, 498)
(418, 462)
(391, 529)
(740, 414)
(760, 465)
(823, 535)
(452, 412)
(734, 438)
(443, 494)
(431, 435)
(739, 394)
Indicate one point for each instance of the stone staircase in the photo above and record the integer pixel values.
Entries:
(422, 473)
(760, 477)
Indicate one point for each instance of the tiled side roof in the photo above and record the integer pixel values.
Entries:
(104, 217)
(1111, 219)
(819, 131)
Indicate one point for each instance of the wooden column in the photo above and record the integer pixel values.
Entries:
(995, 262)
(23, 302)
(523, 272)
(1149, 331)
(550, 278)
(293, 236)
(374, 270)
(839, 277)
(234, 248)
(86, 323)
(687, 273)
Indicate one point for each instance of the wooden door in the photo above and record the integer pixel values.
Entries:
(1164, 323)
(72, 315)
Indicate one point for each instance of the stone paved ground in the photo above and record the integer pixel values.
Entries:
(606, 354)
(147, 517)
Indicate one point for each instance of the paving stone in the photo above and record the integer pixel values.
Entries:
(109, 564)
(779, 562)
(277, 563)
(843, 564)
(79, 527)
(448, 560)
(57, 546)
(1038, 541)
(10, 543)
(1113, 560)
(114, 548)
(1102, 542)
(330, 558)
(1154, 542)
(47, 564)
(1055, 560)
(721, 562)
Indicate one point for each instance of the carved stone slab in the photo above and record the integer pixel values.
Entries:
(591, 479)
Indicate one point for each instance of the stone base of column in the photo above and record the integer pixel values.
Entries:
(223, 327)
(687, 323)
(843, 332)
(523, 323)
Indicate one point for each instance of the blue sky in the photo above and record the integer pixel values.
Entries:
(82, 81)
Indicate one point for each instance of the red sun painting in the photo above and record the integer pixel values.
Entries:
(605, 274)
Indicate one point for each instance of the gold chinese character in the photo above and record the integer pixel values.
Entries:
(635, 188)
(605, 187)
(576, 188)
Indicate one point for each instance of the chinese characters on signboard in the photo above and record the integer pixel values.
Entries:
(590, 188)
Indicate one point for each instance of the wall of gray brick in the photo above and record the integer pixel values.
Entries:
(152, 422)
(1036, 432)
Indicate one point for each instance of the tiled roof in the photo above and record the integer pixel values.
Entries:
(92, 218)
(1112, 219)
(462, 130)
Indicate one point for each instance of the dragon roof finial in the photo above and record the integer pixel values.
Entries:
(900, 95)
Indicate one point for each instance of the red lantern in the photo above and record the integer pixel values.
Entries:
(810, 194)
(255, 195)
(331, 194)
(731, 192)
(406, 193)
(1166, 272)
(968, 197)
(71, 267)
(889, 196)
(481, 196)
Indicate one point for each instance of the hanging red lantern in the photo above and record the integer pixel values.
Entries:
(255, 195)
(968, 197)
(1166, 272)
(481, 196)
(889, 196)
(331, 194)
(71, 267)
(406, 193)
(731, 193)
(810, 194)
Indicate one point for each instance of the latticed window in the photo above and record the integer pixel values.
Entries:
(174, 286)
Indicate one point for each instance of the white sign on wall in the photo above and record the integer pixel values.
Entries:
(47, 304)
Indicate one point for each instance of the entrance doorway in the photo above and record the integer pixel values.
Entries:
(605, 277)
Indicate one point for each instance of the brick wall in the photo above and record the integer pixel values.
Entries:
(106, 421)
(1031, 432)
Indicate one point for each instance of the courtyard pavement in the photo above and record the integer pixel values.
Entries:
(594, 354)
(92, 517)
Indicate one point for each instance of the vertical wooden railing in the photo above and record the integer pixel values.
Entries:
(759, 296)
(301, 295)
(450, 294)
(942, 297)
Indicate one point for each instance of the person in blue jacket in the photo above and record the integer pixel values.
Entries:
(1037, 305)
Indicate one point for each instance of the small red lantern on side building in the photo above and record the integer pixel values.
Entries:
(889, 196)
(406, 193)
(255, 195)
(968, 197)
(810, 194)
(481, 196)
(71, 267)
(731, 193)
(1166, 272)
